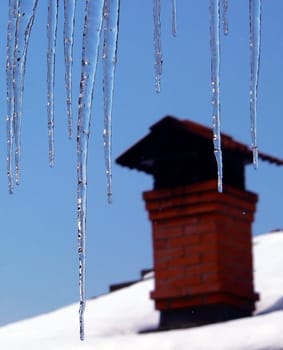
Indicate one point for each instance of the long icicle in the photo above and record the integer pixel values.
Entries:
(111, 30)
(11, 33)
(69, 25)
(52, 21)
(157, 43)
(174, 18)
(215, 82)
(90, 50)
(255, 45)
(225, 6)
(25, 18)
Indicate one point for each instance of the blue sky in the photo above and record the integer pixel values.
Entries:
(38, 260)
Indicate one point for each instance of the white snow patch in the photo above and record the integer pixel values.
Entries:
(113, 321)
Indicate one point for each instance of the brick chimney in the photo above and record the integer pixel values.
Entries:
(202, 246)
(202, 253)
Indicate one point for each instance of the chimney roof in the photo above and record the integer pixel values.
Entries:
(187, 147)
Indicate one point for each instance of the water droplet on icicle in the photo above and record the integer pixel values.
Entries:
(224, 10)
(215, 82)
(52, 22)
(69, 25)
(174, 18)
(111, 30)
(157, 43)
(20, 22)
(90, 49)
(255, 46)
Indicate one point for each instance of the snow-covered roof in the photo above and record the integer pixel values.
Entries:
(114, 321)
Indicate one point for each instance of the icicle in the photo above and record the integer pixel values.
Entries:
(255, 41)
(215, 82)
(25, 12)
(225, 5)
(11, 32)
(111, 29)
(157, 44)
(91, 40)
(69, 24)
(174, 18)
(52, 20)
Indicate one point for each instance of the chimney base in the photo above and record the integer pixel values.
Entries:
(199, 315)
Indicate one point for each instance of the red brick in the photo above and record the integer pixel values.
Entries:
(202, 268)
(184, 241)
(234, 253)
(204, 299)
(210, 237)
(161, 304)
(184, 211)
(186, 260)
(200, 228)
(167, 231)
(209, 256)
(165, 292)
(223, 298)
(169, 273)
(186, 302)
(188, 281)
(167, 254)
(160, 244)
(203, 288)
(203, 250)
(210, 277)
(239, 287)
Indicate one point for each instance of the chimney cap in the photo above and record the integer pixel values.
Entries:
(184, 149)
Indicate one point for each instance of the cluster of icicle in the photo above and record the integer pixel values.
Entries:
(101, 24)
(219, 14)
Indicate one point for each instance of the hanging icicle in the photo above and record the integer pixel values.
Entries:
(174, 18)
(21, 18)
(225, 5)
(52, 22)
(11, 33)
(69, 25)
(215, 82)
(90, 49)
(255, 46)
(157, 43)
(111, 30)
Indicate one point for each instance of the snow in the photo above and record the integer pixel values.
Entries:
(113, 321)
(268, 268)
